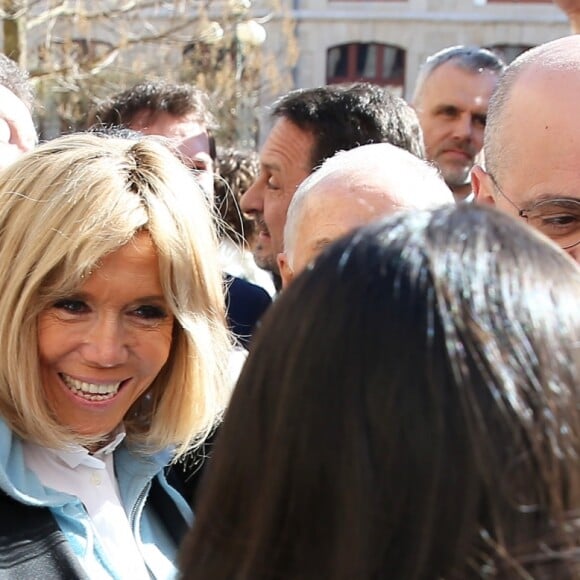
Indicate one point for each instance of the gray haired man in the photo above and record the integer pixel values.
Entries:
(451, 99)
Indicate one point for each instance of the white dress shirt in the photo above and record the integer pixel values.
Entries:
(92, 479)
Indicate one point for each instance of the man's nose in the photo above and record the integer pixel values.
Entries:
(253, 200)
(462, 127)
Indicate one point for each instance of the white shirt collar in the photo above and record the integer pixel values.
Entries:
(75, 455)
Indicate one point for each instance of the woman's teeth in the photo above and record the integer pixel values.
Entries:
(91, 391)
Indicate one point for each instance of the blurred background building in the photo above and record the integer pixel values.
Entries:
(385, 41)
(245, 53)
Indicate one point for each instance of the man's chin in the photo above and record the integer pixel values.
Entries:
(264, 255)
(457, 178)
(266, 261)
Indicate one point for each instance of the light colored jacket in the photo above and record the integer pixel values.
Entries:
(134, 476)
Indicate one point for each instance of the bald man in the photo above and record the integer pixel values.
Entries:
(349, 190)
(532, 143)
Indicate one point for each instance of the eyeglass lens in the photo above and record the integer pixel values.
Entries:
(559, 219)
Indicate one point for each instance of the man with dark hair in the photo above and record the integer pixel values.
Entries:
(179, 112)
(451, 98)
(310, 126)
(17, 132)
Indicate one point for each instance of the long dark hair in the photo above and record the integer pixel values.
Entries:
(409, 411)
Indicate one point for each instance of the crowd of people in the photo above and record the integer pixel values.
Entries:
(354, 355)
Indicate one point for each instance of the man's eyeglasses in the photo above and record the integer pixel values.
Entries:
(557, 218)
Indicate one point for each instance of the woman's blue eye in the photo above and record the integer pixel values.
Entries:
(71, 306)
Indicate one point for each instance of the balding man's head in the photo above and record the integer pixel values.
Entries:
(351, 189)
(532, 143)
(525, 84)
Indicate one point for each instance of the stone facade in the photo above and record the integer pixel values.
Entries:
(419, 27)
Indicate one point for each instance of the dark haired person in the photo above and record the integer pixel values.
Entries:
(532, 148)
(409, 411)
(17, 131)
(451, 98)
(181, 113)
(237, 170)
(311, 125)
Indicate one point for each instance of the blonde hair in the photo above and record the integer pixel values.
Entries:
(62, 208)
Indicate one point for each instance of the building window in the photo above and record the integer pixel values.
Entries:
(381, 64)
(509, 52)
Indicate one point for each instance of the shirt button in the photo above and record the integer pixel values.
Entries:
(96, 478)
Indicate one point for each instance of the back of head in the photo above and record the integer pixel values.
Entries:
(470, 58)
(341, 117)
(415, 418)
(378, 175)
(16, 80)
(151, 98)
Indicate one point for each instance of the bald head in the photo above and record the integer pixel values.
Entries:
(532, 142)
(527, 86)
(351, 189)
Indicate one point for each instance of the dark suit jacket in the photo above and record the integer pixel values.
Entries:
(245, 304)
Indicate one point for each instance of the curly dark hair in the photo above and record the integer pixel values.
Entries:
(236, 171)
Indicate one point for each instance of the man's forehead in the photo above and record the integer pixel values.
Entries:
(449, 77)
(287, 143)
(269, 162)
(167, 125)
(539, 121)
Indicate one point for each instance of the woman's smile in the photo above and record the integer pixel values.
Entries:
(102, 347)
(91, 390)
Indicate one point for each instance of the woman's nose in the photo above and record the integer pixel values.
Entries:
(105, 344)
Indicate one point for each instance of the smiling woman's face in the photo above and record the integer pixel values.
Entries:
(101, 347)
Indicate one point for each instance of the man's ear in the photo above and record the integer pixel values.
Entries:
(286, 272)
(482, 186)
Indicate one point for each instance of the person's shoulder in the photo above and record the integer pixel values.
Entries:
(245, 305)
(243, 288)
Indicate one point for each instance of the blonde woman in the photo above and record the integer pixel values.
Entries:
(112, 359)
